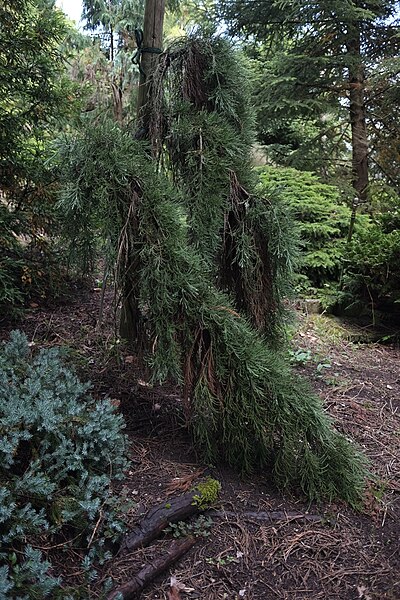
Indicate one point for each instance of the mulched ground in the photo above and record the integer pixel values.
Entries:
(349, 555)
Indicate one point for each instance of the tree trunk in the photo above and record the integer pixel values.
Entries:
(130, 317)
(111, 44)
(117, 102)
(359, 138)
(152, 42)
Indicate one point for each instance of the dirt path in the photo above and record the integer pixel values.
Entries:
(348, 555)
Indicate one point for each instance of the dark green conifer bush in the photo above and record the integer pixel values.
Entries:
(36, 100)
(371, 282)
(201, 126)
(321, 218)
(32, 264)
(242, 402)
(59, 451)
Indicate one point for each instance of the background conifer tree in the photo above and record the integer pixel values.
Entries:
(326, 55)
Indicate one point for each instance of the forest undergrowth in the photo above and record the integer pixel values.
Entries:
(346, 554)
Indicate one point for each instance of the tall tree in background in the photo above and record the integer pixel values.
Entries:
(307, 133)
(113, 23)
(36, 101)
(326, 53)
(34, 92)
(383, 121)
(112, 20)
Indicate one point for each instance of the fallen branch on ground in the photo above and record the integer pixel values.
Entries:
(176, 550)
(159, 517)
(268, 516)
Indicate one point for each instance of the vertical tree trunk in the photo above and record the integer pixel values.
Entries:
(152, 41)
(117, 101)
(111, 43)
(359, 138)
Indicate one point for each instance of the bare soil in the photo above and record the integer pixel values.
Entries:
(346, 556)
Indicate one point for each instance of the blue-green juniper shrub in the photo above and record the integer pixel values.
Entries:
(59, 451)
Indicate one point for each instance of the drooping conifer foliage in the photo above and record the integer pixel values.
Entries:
(242, 403)
(201, 123)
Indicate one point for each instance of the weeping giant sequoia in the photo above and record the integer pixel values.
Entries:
(200, 121)
(208, 261)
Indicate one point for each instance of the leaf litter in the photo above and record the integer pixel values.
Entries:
(347, 555)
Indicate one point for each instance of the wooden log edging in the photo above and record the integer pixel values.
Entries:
(269, 516)
(177, 509)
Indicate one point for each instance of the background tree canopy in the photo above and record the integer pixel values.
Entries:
(332, 65)
(37, 100)
(35, 93)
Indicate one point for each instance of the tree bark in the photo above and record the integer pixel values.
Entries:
(359, 137)
(130, 589)
(130, 317)
(111, 44)
(152, 42)
(158, 518)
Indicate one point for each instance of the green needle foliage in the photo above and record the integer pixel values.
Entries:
(201, 126)
(322, 219)
(59, 451)
(242, 402)
(312, 55)
(36, 100)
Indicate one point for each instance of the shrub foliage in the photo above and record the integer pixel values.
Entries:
(371, 285)
(321, 218)
(59, 450)
(36, 100)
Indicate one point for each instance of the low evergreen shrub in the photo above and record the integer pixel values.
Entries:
(322, 221)
(32, 268)
(59, 452)
(371, 284)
